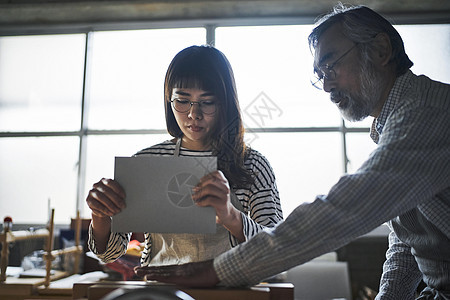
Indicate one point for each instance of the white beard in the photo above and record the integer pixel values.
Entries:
(358, 106)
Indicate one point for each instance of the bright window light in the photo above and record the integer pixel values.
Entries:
(291, 123)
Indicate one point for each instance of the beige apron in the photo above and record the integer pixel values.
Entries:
(180, 248)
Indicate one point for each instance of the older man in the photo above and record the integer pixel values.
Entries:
(361, 62)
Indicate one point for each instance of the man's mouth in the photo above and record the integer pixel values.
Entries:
(339, 99)
(336, 97)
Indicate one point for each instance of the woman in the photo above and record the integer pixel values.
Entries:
(203, 116)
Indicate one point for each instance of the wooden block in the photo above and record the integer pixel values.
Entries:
(19, 286)
(97, 292)
(226, 294)
(79, 290)
(266, 291)
(64, 292)
(282, 291)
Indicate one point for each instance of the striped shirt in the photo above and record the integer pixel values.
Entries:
(408, 172)
(260, 202)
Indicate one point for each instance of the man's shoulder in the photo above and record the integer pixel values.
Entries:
(420, 113)
(424, 92)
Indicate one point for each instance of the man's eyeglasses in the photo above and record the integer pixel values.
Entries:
(207, 107)
(327, 71)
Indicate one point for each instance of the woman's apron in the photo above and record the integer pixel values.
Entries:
(180, 248)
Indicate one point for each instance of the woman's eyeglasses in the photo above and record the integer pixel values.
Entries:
(207, 107)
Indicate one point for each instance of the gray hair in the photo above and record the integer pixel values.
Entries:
(361, 25)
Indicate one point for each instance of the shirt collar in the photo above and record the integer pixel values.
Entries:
(394, 96)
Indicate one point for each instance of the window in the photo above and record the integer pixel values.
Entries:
(69, 103)
(273, 63)
(38, 172)
(41, 82)
(127, 75)
(41, 86)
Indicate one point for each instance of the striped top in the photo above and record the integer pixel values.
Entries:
(407, 176)
(261, 203)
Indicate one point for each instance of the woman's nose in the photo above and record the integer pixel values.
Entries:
(195, 112)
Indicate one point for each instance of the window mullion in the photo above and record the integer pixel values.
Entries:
(211, 34)
(82, 154)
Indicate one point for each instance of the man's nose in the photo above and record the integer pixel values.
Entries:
(328, 85)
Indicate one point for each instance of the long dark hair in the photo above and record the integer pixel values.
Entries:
(207, 68)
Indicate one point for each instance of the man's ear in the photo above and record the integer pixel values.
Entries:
(383, 45)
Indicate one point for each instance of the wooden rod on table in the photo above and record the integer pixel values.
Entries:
(77, 242)
(21, 235)
(48, 255)
(68, 250)
(5, 254)
(9, 236)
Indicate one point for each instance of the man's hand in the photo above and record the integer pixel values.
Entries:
(199, 274)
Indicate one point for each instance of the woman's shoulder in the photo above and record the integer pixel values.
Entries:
(259, 165)
(253, 156)
(164, 148)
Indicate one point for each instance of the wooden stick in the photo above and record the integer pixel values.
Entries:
(68, 250)
(8, 236)
(21, 235)
(5, 254)
(48, 255)
(77, 242)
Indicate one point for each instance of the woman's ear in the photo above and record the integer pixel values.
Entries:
(383, 47)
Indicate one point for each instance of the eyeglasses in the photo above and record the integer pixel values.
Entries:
(207, 107)
(327, 71)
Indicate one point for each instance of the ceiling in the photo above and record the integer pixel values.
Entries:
(29, 15)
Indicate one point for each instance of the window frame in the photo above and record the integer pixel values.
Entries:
(83, 132)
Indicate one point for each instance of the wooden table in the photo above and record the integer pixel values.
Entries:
(32, 288)
(263, 291)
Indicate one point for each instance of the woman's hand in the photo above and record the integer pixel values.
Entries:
(214, 190)
(106, 198)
